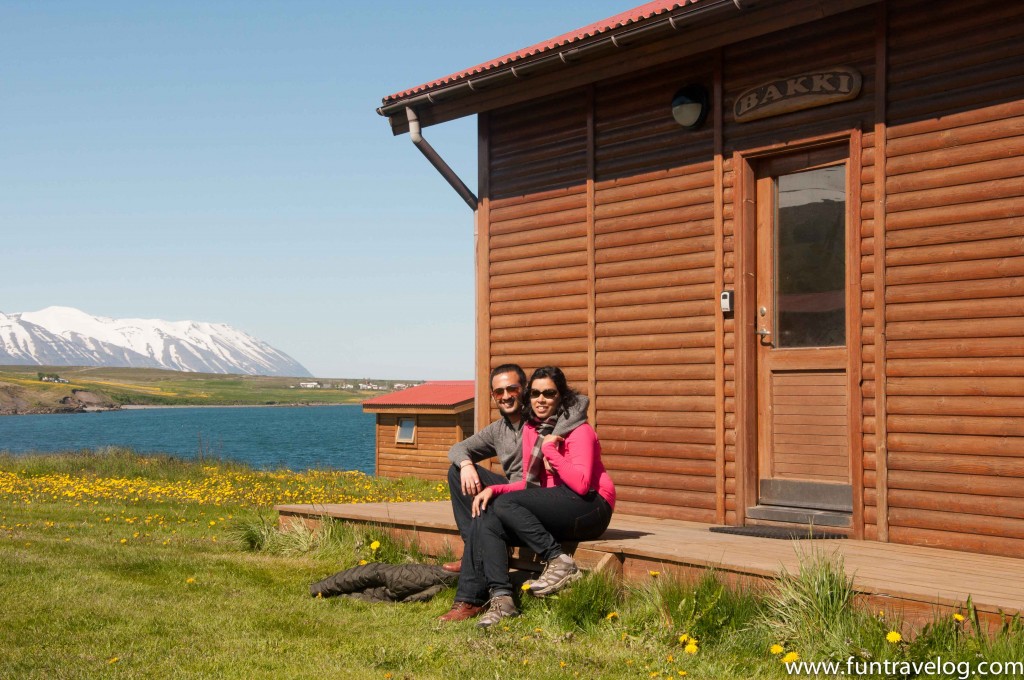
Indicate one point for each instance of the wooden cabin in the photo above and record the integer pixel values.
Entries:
(417, 426)
(781, 246)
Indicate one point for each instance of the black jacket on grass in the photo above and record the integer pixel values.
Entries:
(377, 582)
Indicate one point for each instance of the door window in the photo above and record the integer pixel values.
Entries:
(810, 258)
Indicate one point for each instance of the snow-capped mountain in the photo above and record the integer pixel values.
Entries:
(64, 336)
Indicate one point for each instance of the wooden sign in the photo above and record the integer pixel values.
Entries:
(795, 93)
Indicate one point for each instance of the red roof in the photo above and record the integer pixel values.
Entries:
(637, 14)
(434, 393)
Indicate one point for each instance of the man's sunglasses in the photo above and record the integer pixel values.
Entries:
(548, 394)
(512, 390)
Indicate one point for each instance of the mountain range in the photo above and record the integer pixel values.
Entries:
(64, 336)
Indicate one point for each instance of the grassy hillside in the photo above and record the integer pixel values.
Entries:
(145, 386)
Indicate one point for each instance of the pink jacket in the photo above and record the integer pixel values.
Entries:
(575, 462)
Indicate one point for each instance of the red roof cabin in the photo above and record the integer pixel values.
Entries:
(417, 426)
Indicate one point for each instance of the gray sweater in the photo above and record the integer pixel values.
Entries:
(505, 440)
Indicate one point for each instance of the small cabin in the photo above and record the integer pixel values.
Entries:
(417, 426)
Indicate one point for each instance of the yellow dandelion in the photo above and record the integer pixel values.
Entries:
(124, 540)
(670, 658)
(894, 637)
(320, 596)
(654, 574)
(525, 586)
(375, 545)
(684, 638)
(213, 523)
(538, 630)
(113, 659)
(190, 580)
(682, 673)
(562, 664)
(362, 562)
(612, 615)
(790, 658)
(690, 648)
(958, 617)
(777, 649)
(655, 674)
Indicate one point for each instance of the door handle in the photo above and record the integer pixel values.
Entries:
(763, 332)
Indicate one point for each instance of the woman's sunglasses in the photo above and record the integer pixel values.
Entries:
(547, 394)
(512, 390)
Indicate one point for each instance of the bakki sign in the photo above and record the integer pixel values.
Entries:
(795, 93)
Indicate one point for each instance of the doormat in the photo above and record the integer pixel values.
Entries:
(778, 532)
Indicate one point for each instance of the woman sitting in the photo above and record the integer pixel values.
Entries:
(565, 495)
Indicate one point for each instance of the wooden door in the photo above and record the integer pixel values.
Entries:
(801, 345)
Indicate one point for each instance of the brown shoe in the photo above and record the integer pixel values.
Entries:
(453, 567)
(461, 611)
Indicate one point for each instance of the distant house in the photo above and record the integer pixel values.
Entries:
(417, 426)
(310, 385)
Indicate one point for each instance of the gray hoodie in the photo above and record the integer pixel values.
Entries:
(505, 440)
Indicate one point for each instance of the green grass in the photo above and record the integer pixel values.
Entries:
(147, 386)
(122, 566)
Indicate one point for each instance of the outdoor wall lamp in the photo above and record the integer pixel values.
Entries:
(690, 106)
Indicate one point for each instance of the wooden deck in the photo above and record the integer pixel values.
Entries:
(915, 580)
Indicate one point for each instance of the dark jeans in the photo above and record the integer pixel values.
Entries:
(539, 518)
(462, 505)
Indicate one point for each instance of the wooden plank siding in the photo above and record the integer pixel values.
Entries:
(654, 296)
(954, 276)
(607, 232)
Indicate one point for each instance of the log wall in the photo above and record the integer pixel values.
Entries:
(654, 255)
(954, 276)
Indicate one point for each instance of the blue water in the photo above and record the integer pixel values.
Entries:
(297, 438)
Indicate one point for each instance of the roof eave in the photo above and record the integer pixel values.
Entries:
(551, 60)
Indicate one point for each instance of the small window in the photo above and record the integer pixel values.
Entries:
(406, 431)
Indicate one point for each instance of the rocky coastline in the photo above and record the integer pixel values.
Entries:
(16, 401)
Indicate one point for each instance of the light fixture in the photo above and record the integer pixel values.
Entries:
(690, 106)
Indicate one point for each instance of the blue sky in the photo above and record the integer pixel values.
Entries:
(223, 161)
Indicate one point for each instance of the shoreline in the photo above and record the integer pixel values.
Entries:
(140, 407)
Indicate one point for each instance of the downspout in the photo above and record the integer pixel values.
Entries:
(438, 162)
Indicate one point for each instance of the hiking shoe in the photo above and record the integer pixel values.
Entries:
(557, 574)
(500, 607)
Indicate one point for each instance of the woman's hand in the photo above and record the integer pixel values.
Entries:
(481, 500)
(550, 439)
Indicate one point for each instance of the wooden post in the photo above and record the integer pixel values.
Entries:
(591, 267)
(483, 309)
(716, 108)
(881, 428)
